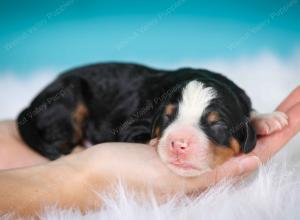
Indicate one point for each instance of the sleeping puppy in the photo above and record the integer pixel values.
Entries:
(195, 118)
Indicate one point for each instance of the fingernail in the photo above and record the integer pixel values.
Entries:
(249, 163)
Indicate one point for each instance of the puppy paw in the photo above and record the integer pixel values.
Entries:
(266, 124)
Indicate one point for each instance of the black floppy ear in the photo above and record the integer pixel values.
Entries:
(247, 137)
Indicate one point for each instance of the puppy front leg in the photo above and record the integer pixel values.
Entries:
(266, 124)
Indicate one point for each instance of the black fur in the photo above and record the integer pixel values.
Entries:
(123, 103)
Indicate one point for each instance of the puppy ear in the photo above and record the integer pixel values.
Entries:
(248, 138)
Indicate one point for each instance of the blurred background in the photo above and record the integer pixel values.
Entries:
(256, 43)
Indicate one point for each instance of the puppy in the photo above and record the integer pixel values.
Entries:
(197, 119)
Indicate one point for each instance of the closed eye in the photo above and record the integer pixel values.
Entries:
(166, 118)
(219, 132)
(219, 125)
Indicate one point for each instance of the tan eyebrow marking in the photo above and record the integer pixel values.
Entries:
(213, 117)
(170, 109)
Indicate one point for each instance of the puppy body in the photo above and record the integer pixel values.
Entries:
(117, 102)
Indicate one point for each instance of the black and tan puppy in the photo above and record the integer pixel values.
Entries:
(197, 118)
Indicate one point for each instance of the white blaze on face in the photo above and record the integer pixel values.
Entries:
(195, 99)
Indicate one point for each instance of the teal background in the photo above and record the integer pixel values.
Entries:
(62, 34)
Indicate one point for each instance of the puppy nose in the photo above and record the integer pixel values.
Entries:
(179, 146)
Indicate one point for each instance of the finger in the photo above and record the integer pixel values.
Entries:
(267, 146)
(290, 101)
(237, 167)
(233, 168)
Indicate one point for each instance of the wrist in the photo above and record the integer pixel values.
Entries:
(66, 180)
(88, 175)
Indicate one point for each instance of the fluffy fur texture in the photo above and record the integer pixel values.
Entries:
(272, 193)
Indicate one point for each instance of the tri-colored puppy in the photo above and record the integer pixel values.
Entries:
(197, 119)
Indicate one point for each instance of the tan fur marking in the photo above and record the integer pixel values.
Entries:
(169, 109)
(235, 145)
(157, 132)
(213, 117)
(220, 154)
(79, 117)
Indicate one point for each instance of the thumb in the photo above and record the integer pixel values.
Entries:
(237, 167)
(248, 164)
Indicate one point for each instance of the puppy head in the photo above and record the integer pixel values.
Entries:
(200, 127)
